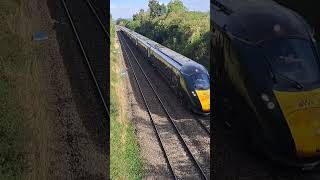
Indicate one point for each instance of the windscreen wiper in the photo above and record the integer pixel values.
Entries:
(291, 81)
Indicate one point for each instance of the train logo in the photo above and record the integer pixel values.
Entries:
(306, 103)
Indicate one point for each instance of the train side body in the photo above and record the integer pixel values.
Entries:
(172, 66)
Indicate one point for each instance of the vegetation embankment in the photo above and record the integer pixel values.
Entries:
(125, 160)
(22, 100)
(172, 25)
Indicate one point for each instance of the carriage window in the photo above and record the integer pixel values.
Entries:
(293, 58)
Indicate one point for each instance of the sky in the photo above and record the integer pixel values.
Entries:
(126, 8)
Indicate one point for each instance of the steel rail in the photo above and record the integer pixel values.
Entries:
(93, 10)
(203, 126)
(149, 112)
(85, 57)
(169, 117)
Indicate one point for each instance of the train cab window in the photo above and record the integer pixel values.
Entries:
(201, 81)
(294, 59)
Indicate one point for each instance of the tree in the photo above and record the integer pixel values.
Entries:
(155, 8)
(122, 22)
(163, 9)
(175, 6)
(139, 15)
(112, 28)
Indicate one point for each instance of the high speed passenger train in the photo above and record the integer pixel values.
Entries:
(266, 64)
(189, 79)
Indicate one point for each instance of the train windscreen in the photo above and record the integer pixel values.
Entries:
(200, 81)
(293, 58)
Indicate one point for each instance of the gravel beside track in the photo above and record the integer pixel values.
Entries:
(154, 163)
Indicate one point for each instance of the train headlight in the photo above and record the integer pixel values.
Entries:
(193, 93)
(270, 105)
(265, 97)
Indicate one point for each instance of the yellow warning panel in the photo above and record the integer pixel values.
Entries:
(204, 98)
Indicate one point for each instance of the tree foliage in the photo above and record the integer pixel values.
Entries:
(183, 31)
(112, 29)
(175, 6)
(138, 16)
(156, 9)
(122, 22)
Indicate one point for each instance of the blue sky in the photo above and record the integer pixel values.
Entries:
(126, 8)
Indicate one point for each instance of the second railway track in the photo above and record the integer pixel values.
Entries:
(80, 128)
(94, 59)
(180, 158)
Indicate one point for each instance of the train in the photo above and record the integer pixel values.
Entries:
(266, 67)
(189, 80)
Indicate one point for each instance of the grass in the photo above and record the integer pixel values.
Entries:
(22, 92)
(125, 160)
(11, 156)
(11, 137)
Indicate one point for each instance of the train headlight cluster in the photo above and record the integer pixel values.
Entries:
(266, 99)
(193, 93)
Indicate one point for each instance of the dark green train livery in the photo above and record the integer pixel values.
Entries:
(265, 63)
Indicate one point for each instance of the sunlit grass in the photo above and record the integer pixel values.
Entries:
(125, 160)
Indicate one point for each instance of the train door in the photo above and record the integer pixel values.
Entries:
(175, 81)
(168, 73)
(218, 54)
(163, 68)
(221, 98)
(150, 57)
(229, 63)
(212, 75)
(232, 68)
(183, 96)
(239, 94)
(148, 49)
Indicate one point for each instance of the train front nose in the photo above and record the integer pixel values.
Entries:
(305, 128)
(302, 113)
(204, 98)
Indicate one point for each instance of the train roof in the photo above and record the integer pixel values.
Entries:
(193, 68)
(259, 20)
(176, 58)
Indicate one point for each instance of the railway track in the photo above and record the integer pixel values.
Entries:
(100, 87)
(204, 123)
(151, 109)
